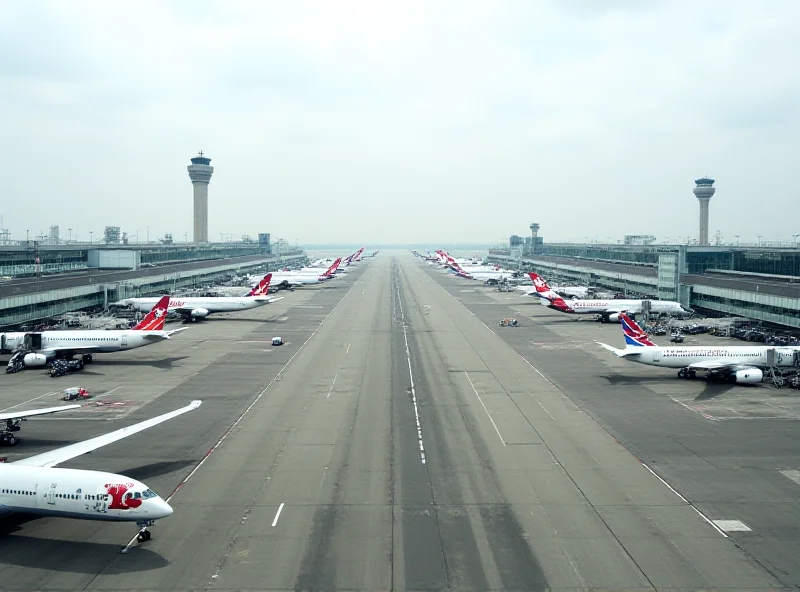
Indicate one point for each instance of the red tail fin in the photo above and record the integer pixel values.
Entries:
(333, 267)
(154, 321)
(263, 286)
(539, 283)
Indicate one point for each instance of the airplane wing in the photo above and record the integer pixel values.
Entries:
(267, 300)
(12, 415)
(60, 455)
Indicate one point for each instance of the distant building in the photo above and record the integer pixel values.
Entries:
(54, 234)
(111, 235)
(639, 239)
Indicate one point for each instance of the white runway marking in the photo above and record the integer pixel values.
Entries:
(330, 390)
(792, 474)
(684, 500)
(546, 411)
(411, 377)
(348, 349)
(278, 514)
(732, 525)
(30, 401)
(499, 435)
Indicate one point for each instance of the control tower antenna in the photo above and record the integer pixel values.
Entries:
(703, 191)
(200, 172)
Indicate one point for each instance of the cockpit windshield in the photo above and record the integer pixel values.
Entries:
(147, 494)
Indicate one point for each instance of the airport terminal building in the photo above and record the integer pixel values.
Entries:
(760, 283)
(44, 281)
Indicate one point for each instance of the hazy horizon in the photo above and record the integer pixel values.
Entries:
(401, 122)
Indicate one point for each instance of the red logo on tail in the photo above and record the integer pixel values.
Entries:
(155, 319)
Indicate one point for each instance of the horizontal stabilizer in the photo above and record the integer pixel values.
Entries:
(620, 353)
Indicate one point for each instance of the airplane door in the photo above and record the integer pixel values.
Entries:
(51, 495)
(656, 355)
(123, 341)
(101, 503)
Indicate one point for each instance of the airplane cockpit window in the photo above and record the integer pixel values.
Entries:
(149, 493)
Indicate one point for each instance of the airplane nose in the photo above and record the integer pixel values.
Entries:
(162, 509)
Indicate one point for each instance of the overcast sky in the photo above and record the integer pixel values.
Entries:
(379, 121)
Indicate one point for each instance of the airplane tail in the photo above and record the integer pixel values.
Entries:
(332, 268)
(548, 296)
(634, 335)
(262, 288)
(155, 319)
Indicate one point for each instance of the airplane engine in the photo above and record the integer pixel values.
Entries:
(34, 360)
(199, 313)
(749, 376)
(614, 318)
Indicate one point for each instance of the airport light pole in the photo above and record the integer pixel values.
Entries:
(91, 236)
(795, 239)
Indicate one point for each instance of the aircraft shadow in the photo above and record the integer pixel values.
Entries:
(713, 390)
(80, 557)
(628, 379)
(165, 363)
(157, 469)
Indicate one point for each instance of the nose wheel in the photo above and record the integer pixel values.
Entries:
(144, 534)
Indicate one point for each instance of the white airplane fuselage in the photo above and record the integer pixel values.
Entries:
(210, 304)
(595, 306)
(683, 356)
(76, 493)
(99, 341)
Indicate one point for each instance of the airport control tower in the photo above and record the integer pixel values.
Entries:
(200, 172)
(704, 191)
(534, 231)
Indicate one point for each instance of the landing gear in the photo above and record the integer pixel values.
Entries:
(144, 534)
(87, 358)
(686, 373)
(8, 440)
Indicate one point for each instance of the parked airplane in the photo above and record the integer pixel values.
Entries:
(742, 364)
(606, 310)
(563, 291)
(37, 349)
(32, 486)
(306, 276)
(194, 308)
(10, 420)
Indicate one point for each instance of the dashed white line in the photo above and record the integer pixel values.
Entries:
(278, 514)
(347, 351)
(330, 390)
(684, 500)
(499, 435)
(411, 377)
(546, 411)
